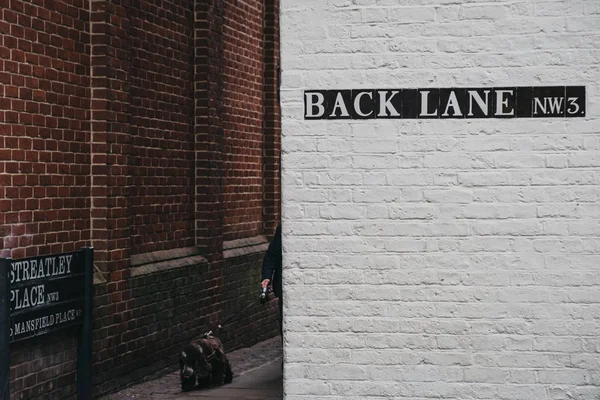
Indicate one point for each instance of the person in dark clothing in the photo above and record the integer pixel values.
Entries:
(271, 271)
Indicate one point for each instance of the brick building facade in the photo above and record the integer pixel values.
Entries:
(149, 130)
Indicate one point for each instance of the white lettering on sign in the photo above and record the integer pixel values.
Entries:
(33, 325)
(52, 297)
(385, 104)
(502, 106)
(26, 270)
(315, 100)
(573, 103)
(339, 103)
(452, 102)
(554, 104)
(483, 105)
(357, 104)
(65, 316)
(27, 297)
(425, 106)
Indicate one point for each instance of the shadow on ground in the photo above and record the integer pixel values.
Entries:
(264, 383)
(257, 375)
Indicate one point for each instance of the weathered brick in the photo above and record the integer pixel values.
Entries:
(463, 262)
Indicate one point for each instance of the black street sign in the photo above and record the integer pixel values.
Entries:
(46, 294)
(440, 103)
(40, 295)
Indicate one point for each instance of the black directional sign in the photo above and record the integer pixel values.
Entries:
(40, 295)
(46, 294)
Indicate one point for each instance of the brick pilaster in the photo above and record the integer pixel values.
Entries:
(208, 133)
(110, 142)
(271, 118)
(110, 136)
(208, 95)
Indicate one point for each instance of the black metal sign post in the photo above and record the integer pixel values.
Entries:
(84, 357)
(4, 329)
(40, 295)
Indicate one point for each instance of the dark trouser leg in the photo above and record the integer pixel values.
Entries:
(280, 303)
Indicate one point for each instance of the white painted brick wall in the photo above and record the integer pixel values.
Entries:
(452, 259)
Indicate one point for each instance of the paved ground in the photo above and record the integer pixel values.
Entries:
(262, 383)
(257, 375)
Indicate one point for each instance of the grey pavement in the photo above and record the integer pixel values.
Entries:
(256, 375)
(265, 383)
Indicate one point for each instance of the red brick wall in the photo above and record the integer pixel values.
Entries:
(243, 117)
(161, 203)
(44, 161)
(44, 128)
(159, 131)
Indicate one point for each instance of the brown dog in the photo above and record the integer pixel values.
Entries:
(203, 363)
